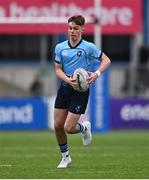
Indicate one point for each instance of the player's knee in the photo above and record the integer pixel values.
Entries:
(58, 125)
(69, 129)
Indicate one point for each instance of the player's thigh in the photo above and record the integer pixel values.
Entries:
(71, 120)
(60, 116)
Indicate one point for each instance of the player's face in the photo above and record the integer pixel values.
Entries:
(74, 31)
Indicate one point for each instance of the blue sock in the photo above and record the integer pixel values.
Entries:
(63, 147)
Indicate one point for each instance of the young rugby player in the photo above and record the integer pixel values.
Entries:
(70, 104)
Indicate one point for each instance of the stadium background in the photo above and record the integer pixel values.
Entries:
(119, 99)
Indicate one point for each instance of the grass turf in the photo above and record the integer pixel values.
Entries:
(35, 155)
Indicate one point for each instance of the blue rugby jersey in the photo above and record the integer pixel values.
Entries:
(80, 56)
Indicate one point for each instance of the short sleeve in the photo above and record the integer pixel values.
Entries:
(57, 54)
(95, 52)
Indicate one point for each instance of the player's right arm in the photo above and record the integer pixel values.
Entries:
(60, 73)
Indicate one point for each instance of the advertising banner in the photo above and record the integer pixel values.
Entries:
(116, 16)
(23, 114)
(129, 113)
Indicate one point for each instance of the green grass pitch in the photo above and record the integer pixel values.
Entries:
(113, 155)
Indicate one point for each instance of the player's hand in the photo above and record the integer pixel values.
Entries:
(72, 82)
(92, 77)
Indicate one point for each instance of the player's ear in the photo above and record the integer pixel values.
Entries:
(82, 29)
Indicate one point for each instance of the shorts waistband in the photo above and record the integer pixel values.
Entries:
(63, 83)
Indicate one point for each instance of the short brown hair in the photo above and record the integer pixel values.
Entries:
(78, 20)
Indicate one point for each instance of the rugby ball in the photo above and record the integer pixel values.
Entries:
(81, 76)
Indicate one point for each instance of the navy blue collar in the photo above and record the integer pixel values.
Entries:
(73, 47)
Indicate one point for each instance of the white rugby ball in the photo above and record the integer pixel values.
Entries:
(81, 76)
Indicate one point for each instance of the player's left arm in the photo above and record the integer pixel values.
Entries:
(105, 63)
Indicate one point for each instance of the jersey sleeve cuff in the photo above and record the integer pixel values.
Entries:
(57, 62)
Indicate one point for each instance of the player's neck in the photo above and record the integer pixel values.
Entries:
(73, 43)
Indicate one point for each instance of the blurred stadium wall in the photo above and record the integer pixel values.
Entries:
(27, 52)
